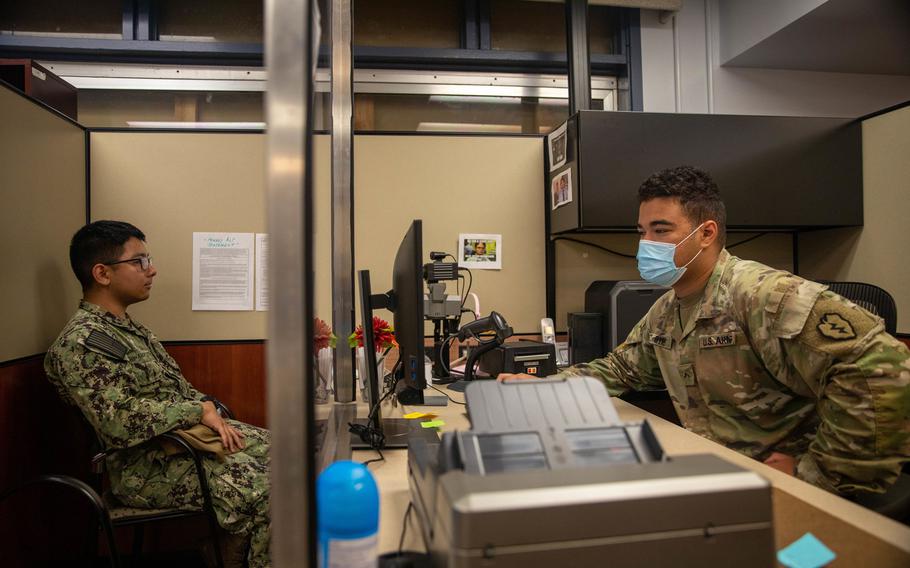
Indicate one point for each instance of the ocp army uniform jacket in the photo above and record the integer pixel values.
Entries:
(773, 362)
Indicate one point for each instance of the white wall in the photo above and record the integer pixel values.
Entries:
(681, 73)
(744, 23)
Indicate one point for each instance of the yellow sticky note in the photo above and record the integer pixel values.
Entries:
(433, 424)
(414, 415)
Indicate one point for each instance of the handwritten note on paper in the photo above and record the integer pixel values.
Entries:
(262, 272)
(222, 271)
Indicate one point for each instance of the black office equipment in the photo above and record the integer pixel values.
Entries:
(774, 172)
(585, 337)
(528, 357)
(441, 308)
(622, 304)
(494, 323)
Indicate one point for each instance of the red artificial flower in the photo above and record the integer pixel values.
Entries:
(322, 335)
(383, 335)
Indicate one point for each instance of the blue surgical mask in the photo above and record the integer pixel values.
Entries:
(656, 263)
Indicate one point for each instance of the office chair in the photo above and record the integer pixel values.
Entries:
(84, 490)
(870, 297)
(121, 515)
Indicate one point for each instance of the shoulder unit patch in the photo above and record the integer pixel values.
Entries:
(106, 344)
(834, 326)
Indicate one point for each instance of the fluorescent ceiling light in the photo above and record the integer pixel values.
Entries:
(196, 125)
(474, 99)
(467, 127)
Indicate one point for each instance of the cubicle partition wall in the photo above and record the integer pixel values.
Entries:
(42, 203)
(171, 184)
(42, 187)
(456, 184)
(877, 252)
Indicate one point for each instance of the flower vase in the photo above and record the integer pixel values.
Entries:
(322, 372)
(362, 375)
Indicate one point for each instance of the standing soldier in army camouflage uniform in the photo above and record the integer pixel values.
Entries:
(130, 390)
(757, 359)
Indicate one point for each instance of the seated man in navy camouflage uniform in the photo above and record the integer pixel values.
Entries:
(762, 361)
(130, 390)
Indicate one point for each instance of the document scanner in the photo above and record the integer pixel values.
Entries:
(548, 475)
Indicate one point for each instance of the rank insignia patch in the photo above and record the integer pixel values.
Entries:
(833, 326)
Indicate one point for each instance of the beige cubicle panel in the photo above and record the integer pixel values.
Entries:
(876, 252)
(42, 191)
(171, 185)
(578, 265)
(456, 184)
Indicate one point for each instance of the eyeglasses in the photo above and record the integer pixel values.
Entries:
(144, 262)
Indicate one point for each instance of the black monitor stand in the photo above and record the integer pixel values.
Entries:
(394, 430)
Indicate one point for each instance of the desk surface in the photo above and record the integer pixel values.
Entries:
(857, 535)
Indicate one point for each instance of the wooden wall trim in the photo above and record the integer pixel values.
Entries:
(232, 372)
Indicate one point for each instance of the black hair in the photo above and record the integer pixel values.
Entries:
(697, 193)
(99, 242)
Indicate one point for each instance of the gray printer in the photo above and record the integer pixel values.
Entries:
(549, 476)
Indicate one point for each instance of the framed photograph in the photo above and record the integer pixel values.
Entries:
(557, 141)
(561, 189)
(480, 251)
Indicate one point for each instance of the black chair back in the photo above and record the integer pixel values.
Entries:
(870, 297)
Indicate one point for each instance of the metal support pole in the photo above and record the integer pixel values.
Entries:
(342, 196)
(289, 197)
(578, 55)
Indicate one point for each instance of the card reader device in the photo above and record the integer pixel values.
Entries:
(523, 356)
(548, 475)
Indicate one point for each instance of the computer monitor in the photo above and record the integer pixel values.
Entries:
(407, 307)
(406, 303)
(375, 431)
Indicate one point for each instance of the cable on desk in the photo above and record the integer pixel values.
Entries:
(374, 460)
(404, 526)
(446, 394)
(374, 437)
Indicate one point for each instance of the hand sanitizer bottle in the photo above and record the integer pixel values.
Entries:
(347, 504)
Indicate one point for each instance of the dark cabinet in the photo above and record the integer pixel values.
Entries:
(774, 173)
(40, 84)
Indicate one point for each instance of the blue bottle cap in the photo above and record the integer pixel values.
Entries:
(347, 500)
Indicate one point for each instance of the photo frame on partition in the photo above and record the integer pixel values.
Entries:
(557, 142)
(480, 251)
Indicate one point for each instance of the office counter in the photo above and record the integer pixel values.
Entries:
(857, 535)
